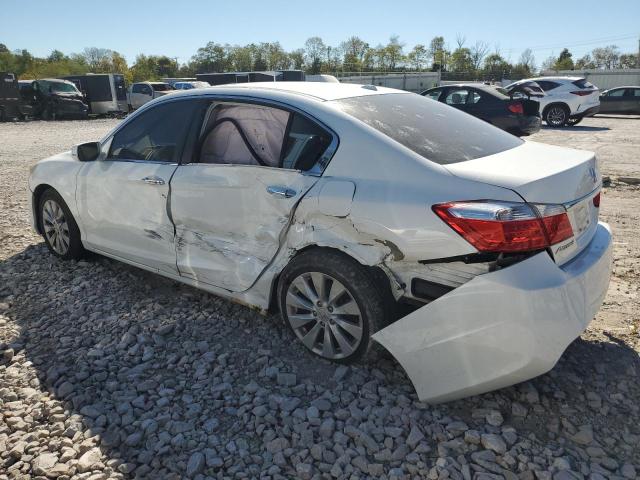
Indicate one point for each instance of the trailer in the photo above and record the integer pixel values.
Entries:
(10, 104)
(105, 93)
(247, 77)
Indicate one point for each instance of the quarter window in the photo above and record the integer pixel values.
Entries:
(157, 134)
(547, 85)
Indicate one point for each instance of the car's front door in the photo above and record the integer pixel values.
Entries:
(232, 203)
(123, 196)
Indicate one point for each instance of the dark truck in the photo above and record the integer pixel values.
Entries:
(10, 104)
(51, 98)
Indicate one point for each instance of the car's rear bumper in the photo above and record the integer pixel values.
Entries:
(528, 125)
(503, 327)
(589, 112)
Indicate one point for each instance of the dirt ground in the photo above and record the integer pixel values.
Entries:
(107, 371)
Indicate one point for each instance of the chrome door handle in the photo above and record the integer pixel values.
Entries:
(153, 180)
(280, 191)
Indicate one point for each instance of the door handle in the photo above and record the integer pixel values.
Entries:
(153, 180)
(280, 191)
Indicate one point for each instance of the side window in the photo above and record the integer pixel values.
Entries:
(136, 88)
(616, 93)
(547, 85)
(250, 134)
(636, 92)
(304, 145)
(146, 89)
(434, 95)
(157, 134)
(457, 97)
(243, 134)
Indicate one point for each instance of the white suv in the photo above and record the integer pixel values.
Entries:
(567, 100)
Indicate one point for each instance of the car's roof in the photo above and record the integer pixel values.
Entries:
(318, 90)
(624, 86)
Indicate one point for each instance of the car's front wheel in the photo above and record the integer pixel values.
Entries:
(58, 227)
(331, 305)
(556, 116)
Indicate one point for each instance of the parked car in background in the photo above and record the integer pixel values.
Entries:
(190, 85)
(620, 100)
(105, 93)
(52, 98)
(517, 116)
(336, 203)
(9, 97)
(143, 92)
(567, 100)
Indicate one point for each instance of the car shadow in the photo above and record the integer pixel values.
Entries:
(578, 128)
(618, 117)
(158, 370)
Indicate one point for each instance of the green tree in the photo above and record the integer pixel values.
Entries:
(564, 61)
(629, 60)
(461, 61)
(354, 49)
(314, 49)
(437, 53)
(585, 62)
(496, 67)
(606, 57)
(418, 56)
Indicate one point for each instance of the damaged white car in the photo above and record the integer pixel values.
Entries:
(363, 214)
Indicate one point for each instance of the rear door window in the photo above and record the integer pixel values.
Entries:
(616, 93)
(457, 96)
(436, 132)
(547, 85)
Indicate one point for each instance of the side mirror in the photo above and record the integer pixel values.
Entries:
(86, 152)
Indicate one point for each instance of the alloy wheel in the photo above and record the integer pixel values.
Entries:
(556, 116)
(56, 228)
(324, 315)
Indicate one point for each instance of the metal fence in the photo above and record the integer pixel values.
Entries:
(412, 82)
(604, 79)
(419, 81)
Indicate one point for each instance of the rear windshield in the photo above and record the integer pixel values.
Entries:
(436, 131)
(161, 87)
(582, 83)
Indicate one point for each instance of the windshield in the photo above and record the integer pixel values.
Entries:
(436, 131)
(58, 87)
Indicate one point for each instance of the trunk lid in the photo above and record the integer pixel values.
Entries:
(542, 173)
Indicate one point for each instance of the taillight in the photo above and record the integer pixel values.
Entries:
(516, 108)
(492, 226)
(583, 93)
(596, 200)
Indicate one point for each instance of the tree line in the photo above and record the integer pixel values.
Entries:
(470, 61)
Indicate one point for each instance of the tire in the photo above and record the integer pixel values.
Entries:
(46, 113)
(556, 115)
(348, 318)
(3, 115)
(58, 227)
(574, 121)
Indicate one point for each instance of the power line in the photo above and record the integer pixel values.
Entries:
(594, 41)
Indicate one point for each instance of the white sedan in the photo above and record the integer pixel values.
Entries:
(367, 216)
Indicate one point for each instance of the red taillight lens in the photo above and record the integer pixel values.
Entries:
(596, 200)
(506, 226)
(516, 108)
(583, 93)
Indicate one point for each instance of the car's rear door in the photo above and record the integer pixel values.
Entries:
(123, 196)
(614, 101)
(233, 201)
(456, 97)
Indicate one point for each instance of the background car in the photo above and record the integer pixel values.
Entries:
(190, 85)
(517, 116)
(52, 98)
(335, 204)
(567, 100)
(620, 100)
(143, 92)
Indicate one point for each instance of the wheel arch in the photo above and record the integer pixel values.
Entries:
(380, 276)
(36, 196)
(562, 104)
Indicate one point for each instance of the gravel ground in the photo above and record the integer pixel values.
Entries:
(107, 371)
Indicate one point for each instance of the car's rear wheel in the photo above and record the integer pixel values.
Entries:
(331, 305)
(58, 227)
(556, 116)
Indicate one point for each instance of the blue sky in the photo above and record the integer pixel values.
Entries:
(178, 28)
